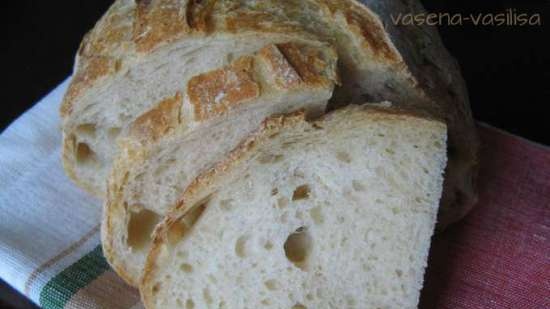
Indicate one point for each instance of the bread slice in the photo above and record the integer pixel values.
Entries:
(337, 213)
(142, 52)
(189, 132)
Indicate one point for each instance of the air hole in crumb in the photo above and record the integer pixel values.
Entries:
(189, 304)
(399, 273)
(316, 215)
(84, 154)
(230, 57)
(206, 295)
(140, 228)
(113, 133)
(357, 185)
(309, 296)
(274, 191)
(156, 288)
(299, 306)
(240, 246)
(87, 129)
(226, 204)
(271, 284)
(298, 246)
(284, 217)
(282, 202)
(268, 245)
(266, 302)
(390, 151)
(186, 267)
(301, 192)
(343, 156)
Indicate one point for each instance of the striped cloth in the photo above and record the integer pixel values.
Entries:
(49, 229)
(498, 257)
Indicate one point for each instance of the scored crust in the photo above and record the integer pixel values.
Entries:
(129, 30)
(213, 93)
(288, 66)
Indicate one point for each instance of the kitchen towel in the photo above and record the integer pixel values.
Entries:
(498, 257)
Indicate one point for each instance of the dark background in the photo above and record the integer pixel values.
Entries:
(506, 68)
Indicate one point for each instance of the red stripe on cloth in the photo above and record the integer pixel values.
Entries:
(499, 255)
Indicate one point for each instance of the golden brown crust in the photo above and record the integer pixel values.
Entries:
(292, 65)
(159, 21)
(310, 64)
(92, 70)
(284, 74)
(215, 92)
(367, 26)
(159, 121)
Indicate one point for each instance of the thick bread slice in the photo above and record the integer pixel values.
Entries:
(141, 52)
(337, 213)
(187, 133)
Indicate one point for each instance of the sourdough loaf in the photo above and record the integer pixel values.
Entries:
(337, 213)
(142, 52)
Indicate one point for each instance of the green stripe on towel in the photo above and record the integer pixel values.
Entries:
(57, 292)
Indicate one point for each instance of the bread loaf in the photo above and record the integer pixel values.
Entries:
(337, 213)
(189, 132)
(142, 52)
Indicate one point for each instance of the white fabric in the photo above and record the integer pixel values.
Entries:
(42, 213)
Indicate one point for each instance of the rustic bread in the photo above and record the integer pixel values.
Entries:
(141, 52)
(187, 133)
(337, 213)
